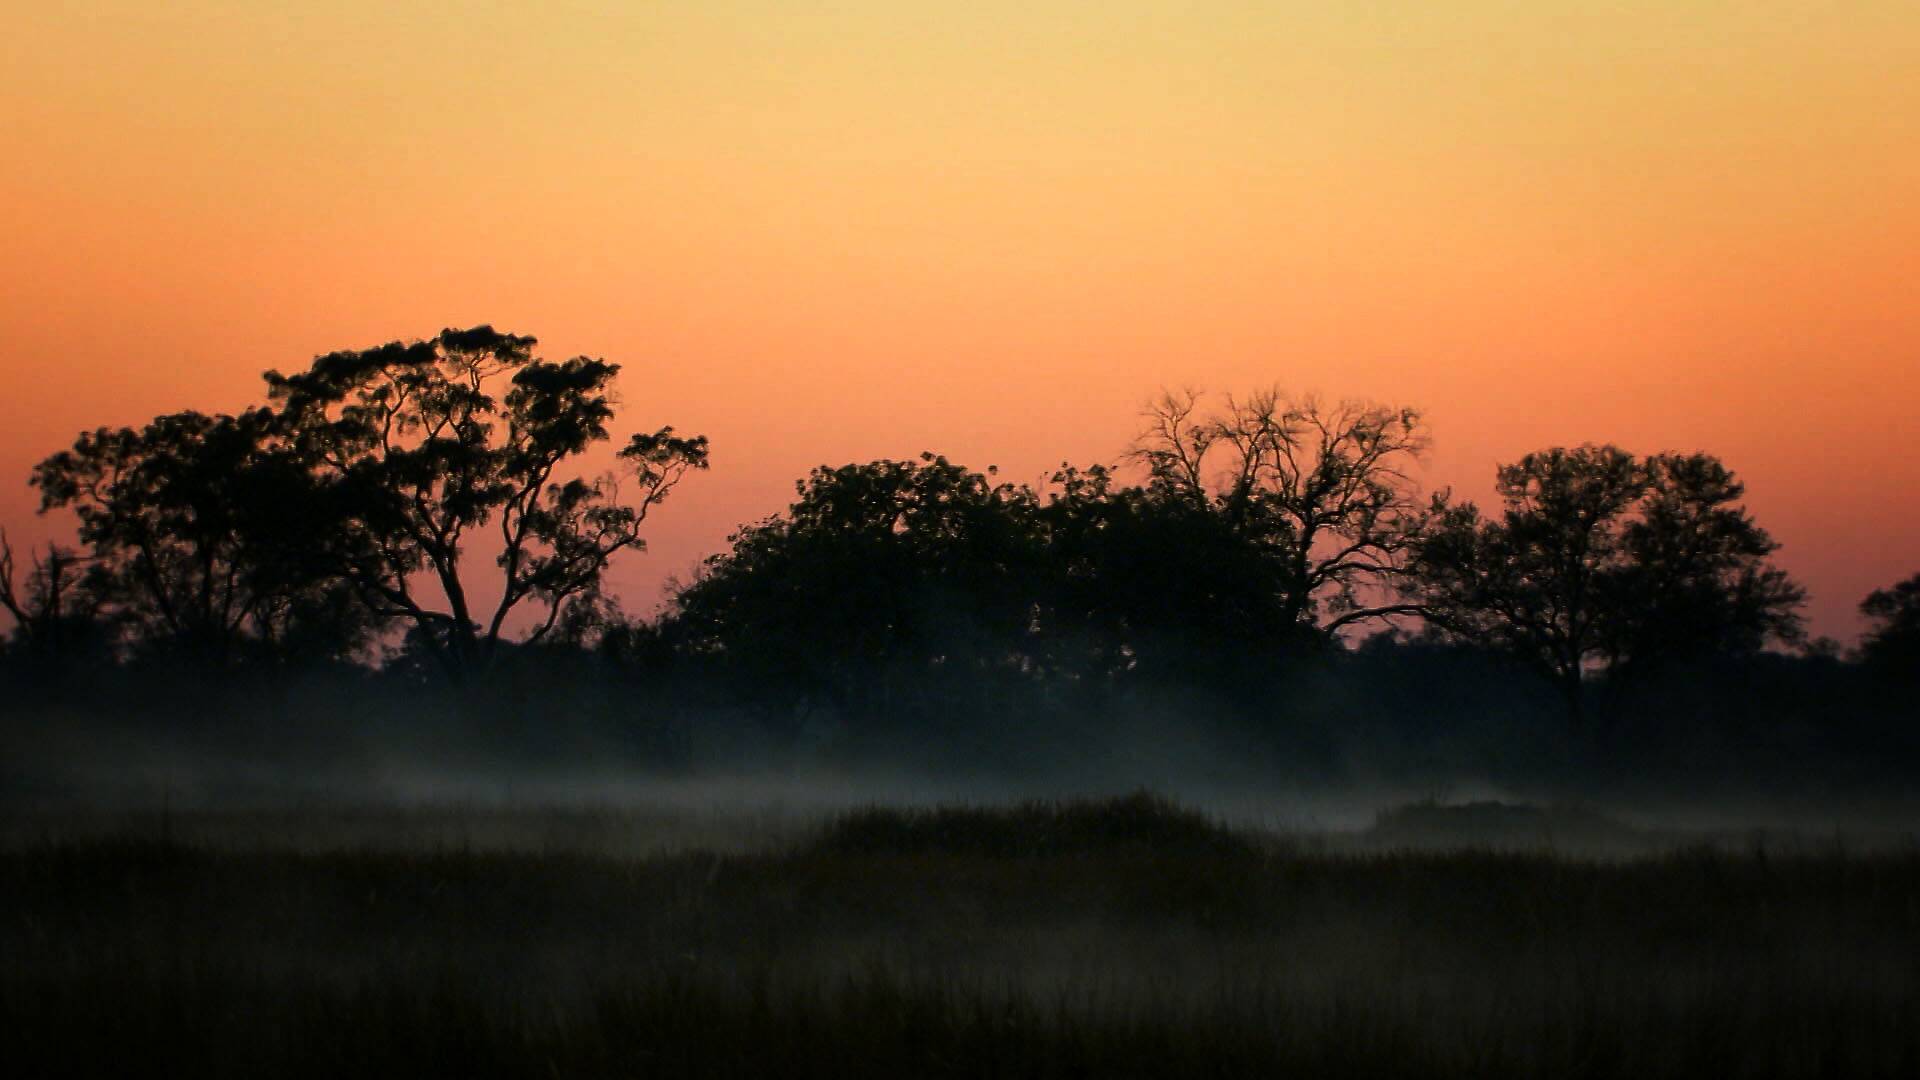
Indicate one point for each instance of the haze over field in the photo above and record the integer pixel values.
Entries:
(827, 233)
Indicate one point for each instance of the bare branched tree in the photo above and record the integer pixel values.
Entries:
(52, 602)
(1325, 490)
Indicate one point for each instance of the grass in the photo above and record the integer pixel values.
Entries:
(1140, 823)
(1127, 937)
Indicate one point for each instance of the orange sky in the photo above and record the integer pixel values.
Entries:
(839, 231)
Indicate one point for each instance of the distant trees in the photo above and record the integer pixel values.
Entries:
(308, 527)
(1258, 529)
(892, 588)
(1323, 491)
(890, 580)
(1600, 561)
(356, 510)
(418, 513)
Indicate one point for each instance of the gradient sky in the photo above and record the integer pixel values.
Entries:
(839, 231)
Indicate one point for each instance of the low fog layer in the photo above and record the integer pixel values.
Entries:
(432, 787)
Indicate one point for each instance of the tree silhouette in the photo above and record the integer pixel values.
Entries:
(198, 536)
(413, 447)
(1697, 571)
(1892, 641)
(899, 588)
(1146, 583)
(1603, 562)
(1322, 490)
(55, 612)
(882, 583)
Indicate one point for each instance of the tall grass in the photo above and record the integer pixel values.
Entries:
(1125, 938)
(1140, 823)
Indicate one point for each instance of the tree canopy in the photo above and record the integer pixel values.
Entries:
(875, 576)
(364, 509)
(1600, 561)
(200, 537)
(413, 447)
(352, 501)
(1325, 491)
(1892, 642)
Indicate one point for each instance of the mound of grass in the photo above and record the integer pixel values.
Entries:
(1142, 823)
(1500, 825)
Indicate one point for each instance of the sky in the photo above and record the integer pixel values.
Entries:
(833, 232)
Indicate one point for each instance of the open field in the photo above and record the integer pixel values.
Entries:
(1125, 937)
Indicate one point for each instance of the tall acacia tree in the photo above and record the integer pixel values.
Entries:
(1324, 490)
(415, 447)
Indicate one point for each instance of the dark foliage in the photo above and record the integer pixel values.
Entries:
(1604, 562)
(303, 573)
(412, 448)
(201, 543)
(1323, 491)
(319, 529)
(1892, 644)
(887, 591)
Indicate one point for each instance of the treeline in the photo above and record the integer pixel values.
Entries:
(1266, 563)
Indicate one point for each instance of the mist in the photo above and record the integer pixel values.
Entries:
(634, 783)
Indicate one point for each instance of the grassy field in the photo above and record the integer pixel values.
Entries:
(1117, 938)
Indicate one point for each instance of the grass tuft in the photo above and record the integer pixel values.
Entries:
(1141, 823)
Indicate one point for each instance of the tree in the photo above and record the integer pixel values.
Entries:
(413, 447)
(1601, 562)
(1697, 570)
(1144, 583)
(1892, 641)
(53, 609)
(1324, 491)
(882, 584)
(198, 536)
